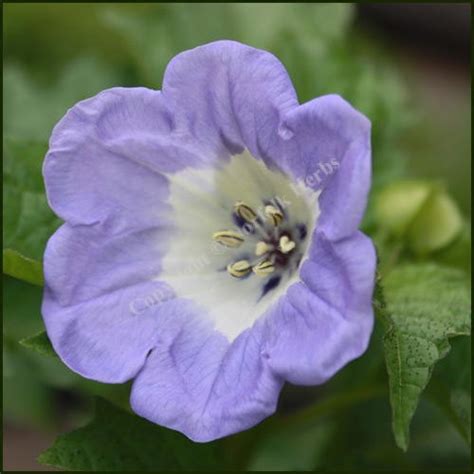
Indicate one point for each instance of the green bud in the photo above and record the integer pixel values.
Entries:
(399, 203)
(420, 212)
(438, 224)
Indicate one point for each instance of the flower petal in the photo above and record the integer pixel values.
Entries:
(100, 299)
(326, 320)
(229, 96)
(329, 148)
(196, 382)
(106, 157)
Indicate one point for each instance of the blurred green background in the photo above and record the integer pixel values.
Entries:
(415, 91)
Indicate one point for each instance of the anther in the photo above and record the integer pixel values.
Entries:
(264, 268)
(228, 238)
(245, 211)
(286, 245)
(261, 248)
(239, 269)
(274, 215)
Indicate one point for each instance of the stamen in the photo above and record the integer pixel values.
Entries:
(239, 269)
(264, 268)
(228, 238)
(274, 215)
(262, 248)
(245, 211)
(286, 245)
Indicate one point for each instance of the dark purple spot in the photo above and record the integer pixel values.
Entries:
(241, 223)
(270, 285)
(302, 231)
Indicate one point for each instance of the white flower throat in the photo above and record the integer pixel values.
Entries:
(240, 233)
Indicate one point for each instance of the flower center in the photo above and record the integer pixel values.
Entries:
(240, 232)
(277, 244)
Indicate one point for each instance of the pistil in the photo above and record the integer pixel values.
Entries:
(286, 245)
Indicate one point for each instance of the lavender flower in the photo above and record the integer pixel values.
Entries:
(210, 249)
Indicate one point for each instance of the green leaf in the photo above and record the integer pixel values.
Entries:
(31, 110)
(21, 305)
(119, 441)
(28, 221)
(425, 305)
(39, 343)
(27, 398)
(21, 267)
(451, 386)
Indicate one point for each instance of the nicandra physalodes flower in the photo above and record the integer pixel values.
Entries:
(210, 249)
